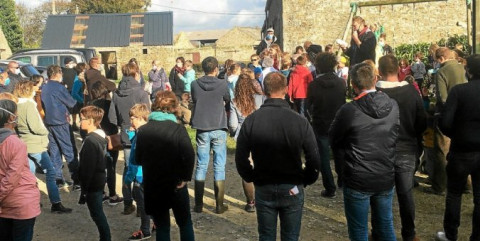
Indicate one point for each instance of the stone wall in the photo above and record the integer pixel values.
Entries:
(324, 21)
(166, 55)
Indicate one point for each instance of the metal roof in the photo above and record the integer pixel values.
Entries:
(58, 33)
(109, 30)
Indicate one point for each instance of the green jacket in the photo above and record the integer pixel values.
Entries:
(451, 73)
(30, 126)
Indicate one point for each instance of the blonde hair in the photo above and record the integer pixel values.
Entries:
(140, 111)
(24, 89)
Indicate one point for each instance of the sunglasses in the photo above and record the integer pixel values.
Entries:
(254, 60)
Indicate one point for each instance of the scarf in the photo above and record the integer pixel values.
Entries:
(179, 70)
(162, 116)
(364, 30)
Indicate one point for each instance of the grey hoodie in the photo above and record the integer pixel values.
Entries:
(4, 133)
(209, 95)
(128, 94)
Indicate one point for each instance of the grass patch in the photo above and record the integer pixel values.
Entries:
(231, 144)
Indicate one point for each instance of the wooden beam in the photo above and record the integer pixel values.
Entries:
(393, 2)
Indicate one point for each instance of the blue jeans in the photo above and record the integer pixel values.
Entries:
(44, 160)
(126, 189)
(301, 105)
(183, 218)
(357, 205)
(325, 169)
(217, 140)
(60, 143)
(138, 195)
(16, 229)
(276, 201)
(94, 203)
(404, 174)
(460, 165)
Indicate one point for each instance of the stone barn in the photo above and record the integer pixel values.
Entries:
(116, 37)
(404, 21)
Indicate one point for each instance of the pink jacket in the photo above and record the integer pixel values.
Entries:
(19, 194)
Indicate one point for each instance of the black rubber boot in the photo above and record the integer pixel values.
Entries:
(219, 188)
(199, 189)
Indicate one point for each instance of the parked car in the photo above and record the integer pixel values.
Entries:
(45, 58)
(87, 52)
(26, 70)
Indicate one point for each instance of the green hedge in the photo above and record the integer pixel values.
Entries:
(408, 51)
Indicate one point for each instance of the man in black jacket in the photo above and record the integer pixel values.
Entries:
(363, 43)
(325, 95)
(209, 96)
(275, 135)
(367, 130)
(460, 121)
(413, 122)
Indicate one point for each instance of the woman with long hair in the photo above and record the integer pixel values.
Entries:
(164, 151)
(245, 102)
(178, 86)
(19, 195)
(34, 134)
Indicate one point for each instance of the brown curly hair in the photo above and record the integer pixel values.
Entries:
(244, 95)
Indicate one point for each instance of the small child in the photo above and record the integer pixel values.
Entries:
(418, 69)
(138, 117)
(405, 69)
(342, 69)
(92, 173)
(189, 76)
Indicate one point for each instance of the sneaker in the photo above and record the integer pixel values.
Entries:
(114, 200)
(76, 188)
(59, 208)
(250, 207)
(441, 236)
(326, 194)
(61, 184)
(127, 210)
(139, 236)
(105, 198)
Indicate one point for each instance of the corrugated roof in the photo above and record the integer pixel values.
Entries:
(58, 33)
(206, 34)
(108, 30)
(158, 29)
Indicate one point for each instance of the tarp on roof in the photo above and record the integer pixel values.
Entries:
(108, 30)
(59, 31)
(158, 29)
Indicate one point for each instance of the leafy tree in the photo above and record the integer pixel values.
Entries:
(33, 20)
(10, 24)
(111, 6)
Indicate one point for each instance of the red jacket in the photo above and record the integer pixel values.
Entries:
(300, 77)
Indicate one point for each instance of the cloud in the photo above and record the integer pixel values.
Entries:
(202, 16)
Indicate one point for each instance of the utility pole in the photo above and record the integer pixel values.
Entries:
(54, 11)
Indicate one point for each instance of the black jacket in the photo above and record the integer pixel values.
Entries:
(263, 45)
(365, 51)
(68, 78)
(460, 119)
(276, 136)
(367, 130)
(178, 86)
(165, 152)
(128, 94)
(209, 95)
(413, 118)
(92, 162)
(325, 95)
(92, 76)
(107, 126)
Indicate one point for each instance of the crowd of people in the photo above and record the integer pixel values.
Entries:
(286, 111)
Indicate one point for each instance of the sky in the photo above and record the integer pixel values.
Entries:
(195, 15)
